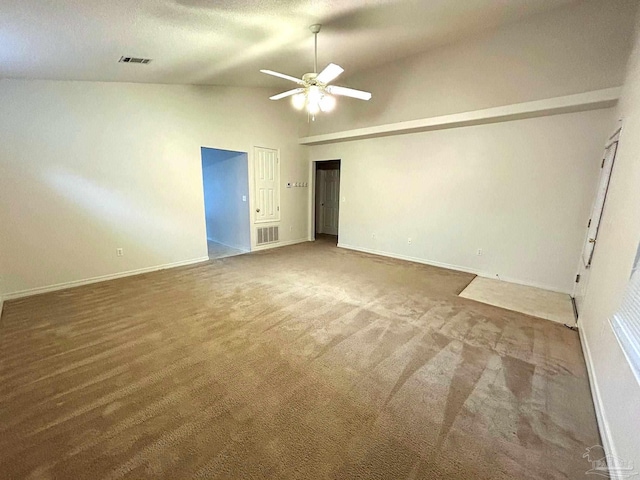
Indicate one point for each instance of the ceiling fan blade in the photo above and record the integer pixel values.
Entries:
(282, 75)
(348, 92)
(288, 93)
(329, 73)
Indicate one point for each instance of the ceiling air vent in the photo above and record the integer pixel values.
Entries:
(144, 61)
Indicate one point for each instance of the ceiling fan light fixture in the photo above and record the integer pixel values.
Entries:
(298, 101)
(314, 92)
(327, 103)
(313, 108)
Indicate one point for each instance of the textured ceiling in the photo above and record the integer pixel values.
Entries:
(226, 42)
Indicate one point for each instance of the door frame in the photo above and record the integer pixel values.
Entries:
(313, 179)
(247, 154)
(319, 220)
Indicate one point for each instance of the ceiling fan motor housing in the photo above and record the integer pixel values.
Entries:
(310, 78)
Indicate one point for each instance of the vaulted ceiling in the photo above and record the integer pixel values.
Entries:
(226, 42)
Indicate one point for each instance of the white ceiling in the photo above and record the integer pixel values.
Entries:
(226, 42)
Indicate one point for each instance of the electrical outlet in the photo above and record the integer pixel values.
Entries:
(409, 240)
(244, 198)
(479, 252)
(291, 228)
(119, 252)
(373, 235)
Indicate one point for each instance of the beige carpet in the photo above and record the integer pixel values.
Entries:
(305, 362)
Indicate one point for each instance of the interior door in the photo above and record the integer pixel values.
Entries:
(330, 201)
(320, 200)
(588, 249)
(267, 180)
(598, 205)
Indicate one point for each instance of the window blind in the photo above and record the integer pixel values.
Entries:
(626, 321)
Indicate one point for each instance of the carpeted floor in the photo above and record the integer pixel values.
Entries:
(306, 362)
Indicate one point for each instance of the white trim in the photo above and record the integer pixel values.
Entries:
(603, 424)
(458, 268)
(101, 278)
(580, 102)
(312, 200)
(269, 246)
(624, 348)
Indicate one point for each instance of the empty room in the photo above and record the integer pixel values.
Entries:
(319, 240)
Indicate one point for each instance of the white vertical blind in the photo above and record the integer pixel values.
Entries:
(626, 321)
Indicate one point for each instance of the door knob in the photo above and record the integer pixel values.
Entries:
(592, 240)
(257, 210)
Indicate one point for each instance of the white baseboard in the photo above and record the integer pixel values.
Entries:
(603, 424)
(458, 268)
(408, 258)
(279, 244)
(101, 278)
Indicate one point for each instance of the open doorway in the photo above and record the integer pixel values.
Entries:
(225, 181)
(327, 200)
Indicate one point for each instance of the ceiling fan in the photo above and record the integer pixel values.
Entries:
(314, 91)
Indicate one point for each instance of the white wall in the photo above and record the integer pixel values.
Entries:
(225, 177)
(573, 49)
(88, 167)
(617, 392)
(520, 191)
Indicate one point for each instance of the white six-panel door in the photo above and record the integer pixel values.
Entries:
(267, 181)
